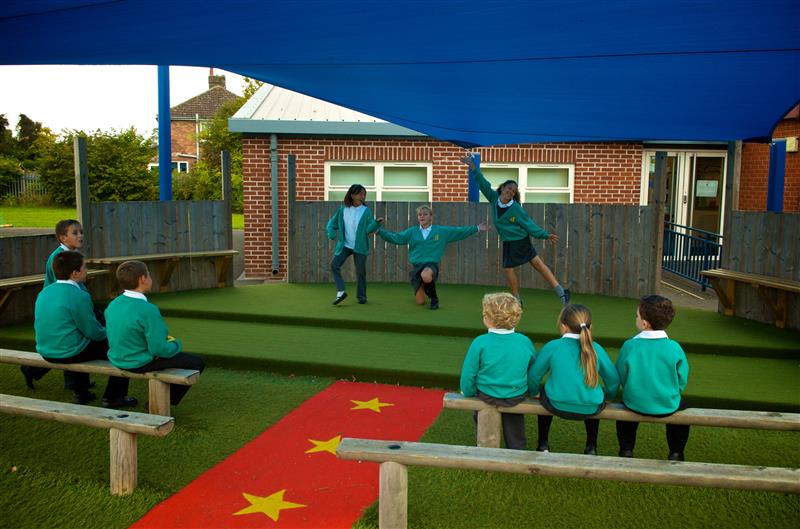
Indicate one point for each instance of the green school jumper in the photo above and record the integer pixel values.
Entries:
(653, 373)
(428, 250)
(498, 365)
(64, 321)
(565, 386)
(515, 223)
(366, 225)
(49, 275)
(137, 333)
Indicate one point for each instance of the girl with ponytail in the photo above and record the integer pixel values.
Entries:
(576, 365)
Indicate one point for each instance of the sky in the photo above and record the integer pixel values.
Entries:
(88, 98)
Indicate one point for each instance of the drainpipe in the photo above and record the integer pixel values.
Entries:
(273, 154)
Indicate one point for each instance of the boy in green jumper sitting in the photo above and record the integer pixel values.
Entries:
(426, 245)
(137, 334)
(498, 367)
(68, 332)
(653, 371)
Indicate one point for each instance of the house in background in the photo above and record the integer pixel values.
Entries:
(336, 147)
(188, 118)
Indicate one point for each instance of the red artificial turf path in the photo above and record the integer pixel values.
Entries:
(289, 475)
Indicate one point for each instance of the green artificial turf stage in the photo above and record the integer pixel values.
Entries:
(61, 471)
(391, 307)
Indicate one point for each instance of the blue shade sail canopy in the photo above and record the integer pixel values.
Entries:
(476, 73)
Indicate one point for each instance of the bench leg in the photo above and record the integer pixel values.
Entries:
(221, 264)
(489, 427)
(726, 295)
(165, 270)
(5, 297)
(393, 496)
(123, 462)
(158, 393)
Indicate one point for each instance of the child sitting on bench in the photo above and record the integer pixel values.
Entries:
(137, 334)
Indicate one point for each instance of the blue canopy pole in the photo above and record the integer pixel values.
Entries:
(164, 135)
(473, 194)
(775, 182)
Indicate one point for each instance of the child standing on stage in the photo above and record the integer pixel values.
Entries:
(426, 245)
(69, 234)
(515, 228)
(137, 335)
(497, 367)
(653, 371)
(350, 226)
(576, 364)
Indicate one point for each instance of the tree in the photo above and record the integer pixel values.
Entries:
(7, 143)
(117, 167)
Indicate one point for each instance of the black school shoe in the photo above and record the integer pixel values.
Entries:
(590, 450)
(434, 303)
(565, 297)
(122, 402)
(26, 372)
(362, 301)
(339, 299)
(626, 453)
(675, 456)
(83, 397)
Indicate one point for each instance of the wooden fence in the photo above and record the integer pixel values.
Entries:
(764, 243)
(603, 249)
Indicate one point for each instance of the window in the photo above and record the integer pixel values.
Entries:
(537, 182)
(181, 167)
(388, 182)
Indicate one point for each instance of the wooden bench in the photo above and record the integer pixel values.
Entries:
(489, 422)
(8, 285)
(395, 456)
(124, 426)
(726, 291)
(166, 265)
(158, 381)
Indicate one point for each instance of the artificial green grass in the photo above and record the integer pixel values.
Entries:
(391, 308)
(56, 475)
(715, 381)
(447, 498)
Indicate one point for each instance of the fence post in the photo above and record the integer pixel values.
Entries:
(225, 163)
(291, 161)
(657, 199)
(82, 188)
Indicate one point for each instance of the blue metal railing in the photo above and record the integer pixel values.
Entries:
(688, 251)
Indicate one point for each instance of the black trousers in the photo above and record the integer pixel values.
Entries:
(677, 434)
(513, 423)
(179, 361)
(116, 388)
(360, 260)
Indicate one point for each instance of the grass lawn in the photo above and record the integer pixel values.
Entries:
(47, 217)
(60, 472)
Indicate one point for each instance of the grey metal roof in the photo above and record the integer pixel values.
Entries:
(273, 109)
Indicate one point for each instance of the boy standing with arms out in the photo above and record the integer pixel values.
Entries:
(498, 365)
(68, 332)
(653, 371)
(137, 334)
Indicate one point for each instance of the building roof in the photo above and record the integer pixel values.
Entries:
(205, 105)
(273, 109)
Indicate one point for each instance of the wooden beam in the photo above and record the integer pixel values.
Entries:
(393, 496)
(123, 462)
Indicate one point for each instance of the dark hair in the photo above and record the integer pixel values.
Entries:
(129, 272)
(354, 190)
(64, 263)
(657, 311)
(507, 182)
(62, 226)
(578, 319)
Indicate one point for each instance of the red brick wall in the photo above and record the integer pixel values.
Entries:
(755, 172)
(184, 141)
(604, 173)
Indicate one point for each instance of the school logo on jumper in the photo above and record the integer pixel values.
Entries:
(513, 219)
(436, 238)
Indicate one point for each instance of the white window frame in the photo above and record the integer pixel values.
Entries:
(375, 192)
(522, 178)
(152, 166)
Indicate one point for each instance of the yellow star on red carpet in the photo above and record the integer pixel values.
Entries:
(325, 446)
(271, 505)
(374, 405)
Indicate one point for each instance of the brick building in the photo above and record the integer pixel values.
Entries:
(335, 147)
(188, 118)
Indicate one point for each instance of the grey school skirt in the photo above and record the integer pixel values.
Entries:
(516, 253)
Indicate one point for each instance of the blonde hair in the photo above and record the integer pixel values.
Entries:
(424, 206)
(578, 319)
(502, 309)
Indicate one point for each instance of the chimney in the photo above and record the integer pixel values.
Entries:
(216, 80)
